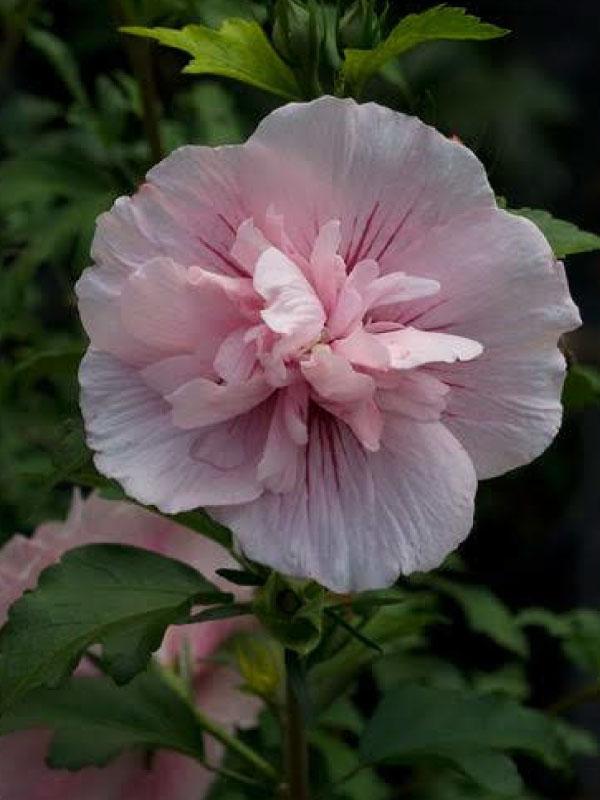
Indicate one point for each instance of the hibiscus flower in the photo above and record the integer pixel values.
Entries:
(325, 335)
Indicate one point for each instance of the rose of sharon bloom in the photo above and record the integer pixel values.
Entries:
(171, 776)
(325, 336)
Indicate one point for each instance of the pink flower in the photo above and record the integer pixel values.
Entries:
(172, 776)
(325, 335)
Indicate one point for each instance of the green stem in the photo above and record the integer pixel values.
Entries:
(220, 733)
(296, 744)
(233, 743)
(140, 58)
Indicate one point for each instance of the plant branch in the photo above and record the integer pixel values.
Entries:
(296, 744)
(220, 733)
(140, 58)
(233, 743)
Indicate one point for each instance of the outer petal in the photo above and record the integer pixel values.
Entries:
(129, 426)
(359, 519)
(501, 286)
(380, 172)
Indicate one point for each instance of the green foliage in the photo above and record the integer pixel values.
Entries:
(582, 387)
(484, 611)
(578, 632)
(565, 238)
(473, 733)
(441, 22)
(238, 50)
(131, 596)
(93, 720)
(394, 629)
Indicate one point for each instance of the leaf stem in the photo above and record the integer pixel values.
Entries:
(140, 58)
(220, 733)
(233, 743)
(296, 744)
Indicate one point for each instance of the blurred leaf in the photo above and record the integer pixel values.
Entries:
(340, 759)
(440, 22)
(131, 597)
(61, 58)
(582, 387)
(509, 680)
(47, 363)
(214, 12)
(238, 50)
(93, 720)
(484, 612)
(565, 238)
(414, 723)
(577, 741)
(342, 715)
(578, 631)
(421, 668)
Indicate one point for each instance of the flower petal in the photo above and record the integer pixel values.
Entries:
(293, 309)
(332, 377)
(410, 347)
(202, 402)
(388, 177)
(359, 519)
(130, 428)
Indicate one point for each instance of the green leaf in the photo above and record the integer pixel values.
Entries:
(582, 387)
(578, 631)
(393, 628)
(61, 58)
(474, 733)
(121, 597)
(292, 611)
(440, 22)
(484, 612)
(238, 50)
(565, 238)
(93, 720)
(509, 680)
(341, 760)
(577, 741)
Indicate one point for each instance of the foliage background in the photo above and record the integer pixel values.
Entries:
(72, 139)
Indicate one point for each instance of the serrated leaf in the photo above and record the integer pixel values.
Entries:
(565, 238)
(414, 723)
(119, 596)
(93, 720)
(485, 613)
(438, 23)
(239, 49)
